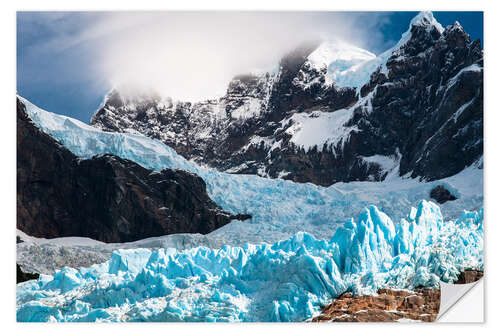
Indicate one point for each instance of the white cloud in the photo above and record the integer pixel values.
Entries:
(193, 55)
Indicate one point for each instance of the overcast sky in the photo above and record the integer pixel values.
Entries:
(67, 61)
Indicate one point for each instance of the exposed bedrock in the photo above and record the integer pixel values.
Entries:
(22, 276)
(441, 194)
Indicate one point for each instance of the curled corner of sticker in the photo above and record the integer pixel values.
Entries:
(451, 294)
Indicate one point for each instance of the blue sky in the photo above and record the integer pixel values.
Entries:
(66, 62)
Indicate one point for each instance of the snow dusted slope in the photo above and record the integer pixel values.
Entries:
(286, 281)
(279, 208)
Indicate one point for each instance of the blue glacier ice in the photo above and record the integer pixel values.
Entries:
(285, 281)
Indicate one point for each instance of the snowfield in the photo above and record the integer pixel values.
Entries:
(317, 128)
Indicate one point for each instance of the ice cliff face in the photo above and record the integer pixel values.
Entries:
(285, 281)
(331, 113)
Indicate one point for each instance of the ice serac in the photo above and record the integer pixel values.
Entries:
(418, 104)
(103, 197)
(285, 281)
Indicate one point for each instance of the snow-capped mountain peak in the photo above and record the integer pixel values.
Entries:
(337, 57)
(359, 75)
(426, 19)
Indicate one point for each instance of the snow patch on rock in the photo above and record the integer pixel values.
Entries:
(318, 128)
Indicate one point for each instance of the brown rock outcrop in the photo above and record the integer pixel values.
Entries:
(469, 276)
(388, 305)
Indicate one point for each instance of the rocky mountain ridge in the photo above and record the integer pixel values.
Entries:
(418, 113)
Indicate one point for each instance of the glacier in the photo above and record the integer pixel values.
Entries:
(285, 281)
(279, 208)
(300, 249)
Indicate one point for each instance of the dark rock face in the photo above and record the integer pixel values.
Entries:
(423, 109)
(441, 194)
(22, 276)
(299, 87)
(429, 106)
(105, 198)
(233, 133)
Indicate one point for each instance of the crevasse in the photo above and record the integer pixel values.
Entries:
(285, 281)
